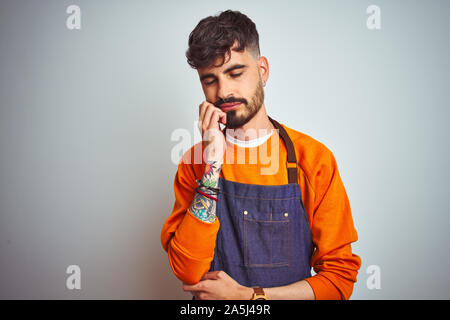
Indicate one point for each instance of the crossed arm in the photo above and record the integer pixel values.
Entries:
(218, 285)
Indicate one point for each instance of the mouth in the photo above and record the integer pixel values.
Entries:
(229, 106)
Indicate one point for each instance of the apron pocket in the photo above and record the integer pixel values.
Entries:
(266, 243)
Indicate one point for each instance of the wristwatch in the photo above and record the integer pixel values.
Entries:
(259, 294)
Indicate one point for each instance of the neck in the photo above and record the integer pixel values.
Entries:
(258, 126)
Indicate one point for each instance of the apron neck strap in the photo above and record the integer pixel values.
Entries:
(291, 163)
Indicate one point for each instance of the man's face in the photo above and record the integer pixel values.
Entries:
(235, 87)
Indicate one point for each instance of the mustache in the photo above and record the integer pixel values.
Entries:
(219, 102)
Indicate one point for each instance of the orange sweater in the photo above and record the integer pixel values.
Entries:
(190, 242)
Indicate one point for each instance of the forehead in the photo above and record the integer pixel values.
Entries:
(237, 57)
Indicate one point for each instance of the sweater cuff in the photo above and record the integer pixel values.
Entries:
(196, 237)
(323, 288)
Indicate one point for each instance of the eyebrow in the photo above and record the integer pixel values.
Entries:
(233, 67)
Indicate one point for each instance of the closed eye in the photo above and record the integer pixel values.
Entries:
(235, 75)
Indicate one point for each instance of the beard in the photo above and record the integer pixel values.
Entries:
(237, 118)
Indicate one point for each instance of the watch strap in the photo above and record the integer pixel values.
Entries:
(259, 294)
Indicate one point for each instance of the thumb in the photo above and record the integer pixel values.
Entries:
(212, 275)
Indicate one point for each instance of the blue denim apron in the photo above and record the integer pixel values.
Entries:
(264, 237)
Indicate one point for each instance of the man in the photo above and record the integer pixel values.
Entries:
(237, 232)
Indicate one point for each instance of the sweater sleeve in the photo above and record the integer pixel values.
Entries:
(188, 241)
(333, 232)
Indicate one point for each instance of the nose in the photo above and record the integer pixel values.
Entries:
(224, 90)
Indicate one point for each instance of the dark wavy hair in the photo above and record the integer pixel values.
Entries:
(214, 36)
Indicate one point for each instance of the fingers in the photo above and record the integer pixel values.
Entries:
(214, 121)
(202, 109)
(210, 116)
(223, 117)
(198, 287)
(211, 286)
(207, 118)
(201, 115)
(213, 275)
(201, 290)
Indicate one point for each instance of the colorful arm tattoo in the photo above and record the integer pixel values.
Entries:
(202, 207)
(211, 174)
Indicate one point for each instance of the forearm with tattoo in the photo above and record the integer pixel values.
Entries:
(202, 207)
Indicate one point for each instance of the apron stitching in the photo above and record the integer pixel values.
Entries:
(266, 220)
(276, 264)
(237, 196)
(289, 244)
(270, 264)
(245, 243)
(271, 242)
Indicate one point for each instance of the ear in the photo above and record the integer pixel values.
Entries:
(263, 68)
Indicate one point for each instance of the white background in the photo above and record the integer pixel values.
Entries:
(86, 117)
